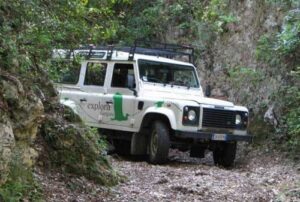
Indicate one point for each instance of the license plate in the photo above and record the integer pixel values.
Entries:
(219, 137)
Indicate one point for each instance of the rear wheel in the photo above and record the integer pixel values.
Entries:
(224, 153)
(159, 143)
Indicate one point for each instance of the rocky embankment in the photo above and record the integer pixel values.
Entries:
(36, 129)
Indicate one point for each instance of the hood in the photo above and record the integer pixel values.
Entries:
(189, 95)
(215, 102)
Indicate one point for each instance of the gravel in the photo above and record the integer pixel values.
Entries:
(257, 176)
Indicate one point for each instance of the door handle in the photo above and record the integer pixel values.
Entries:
(82, 100)
(109, 102)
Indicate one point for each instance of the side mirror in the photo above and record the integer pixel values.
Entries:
(130, 81)
(208, 91)
(131, 84)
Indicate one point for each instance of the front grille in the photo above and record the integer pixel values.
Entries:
(218, 118)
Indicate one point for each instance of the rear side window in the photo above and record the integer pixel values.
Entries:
(95, 74)
(65, 71)
(121, 74)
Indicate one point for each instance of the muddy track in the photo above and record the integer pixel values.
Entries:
(257, 176)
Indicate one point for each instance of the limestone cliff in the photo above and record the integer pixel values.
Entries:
(35, 128)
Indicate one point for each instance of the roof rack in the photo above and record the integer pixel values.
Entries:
(167, 50)
(143, 47)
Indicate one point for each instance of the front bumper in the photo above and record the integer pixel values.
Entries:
(199, 135)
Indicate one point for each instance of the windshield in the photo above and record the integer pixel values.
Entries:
(166, 73)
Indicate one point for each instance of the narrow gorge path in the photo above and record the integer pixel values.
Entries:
(264, 178)
(257, 176)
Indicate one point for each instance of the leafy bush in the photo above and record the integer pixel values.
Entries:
(245, 80)
(284, 43)
(215, 14)
(20, 185)
(289, 98)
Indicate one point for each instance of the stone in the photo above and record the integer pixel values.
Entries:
(7, 144)
(270, 116)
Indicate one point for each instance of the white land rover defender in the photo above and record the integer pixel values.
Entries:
(145, 103)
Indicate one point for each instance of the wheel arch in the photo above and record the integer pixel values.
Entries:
(150, 117)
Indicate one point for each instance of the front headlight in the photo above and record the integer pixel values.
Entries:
(192, 115)
(241, 120)
(238, 119)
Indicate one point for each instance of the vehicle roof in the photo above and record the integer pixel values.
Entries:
(101, 55)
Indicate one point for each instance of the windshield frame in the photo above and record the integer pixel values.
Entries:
(192, 67)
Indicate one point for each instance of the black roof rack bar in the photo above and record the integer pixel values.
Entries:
(110, 49)
(132, 52)
(145, 47)
(153, 52)
(174, 49)
(91, 47)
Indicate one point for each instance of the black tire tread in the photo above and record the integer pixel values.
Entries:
(163, 143)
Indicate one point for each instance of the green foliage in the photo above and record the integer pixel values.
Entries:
(191, 22)
(245, 79)
(289, 98)
(216, 15)
(65, 71)
(101, 143)
(281, 51)
(285, 3)
(265, 47)
(282, 44)
(288, 40)
(31, 29)
(20, 185)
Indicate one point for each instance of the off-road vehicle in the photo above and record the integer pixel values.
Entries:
(146, 101)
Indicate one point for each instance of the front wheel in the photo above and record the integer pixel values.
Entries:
(159, 143)
(224, 153)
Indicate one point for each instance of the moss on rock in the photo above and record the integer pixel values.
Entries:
(67, 143)
(6, 146)
(76, 149)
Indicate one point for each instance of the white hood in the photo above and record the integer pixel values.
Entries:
(185, 94)
(215, 102)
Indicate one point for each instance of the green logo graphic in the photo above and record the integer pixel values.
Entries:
(118, 107)
(159, 104)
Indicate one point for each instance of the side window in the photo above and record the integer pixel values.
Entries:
(65, 71)
(123, 73)
(95, 74)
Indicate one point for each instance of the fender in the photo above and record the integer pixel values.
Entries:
(69, 103)
(169, 113)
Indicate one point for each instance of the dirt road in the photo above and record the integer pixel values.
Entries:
(257, 176)
(186, 179)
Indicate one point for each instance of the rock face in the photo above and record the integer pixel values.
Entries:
(7, 144)
(229, 62)
(235, 49)
(35, 127)
(20, 117)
